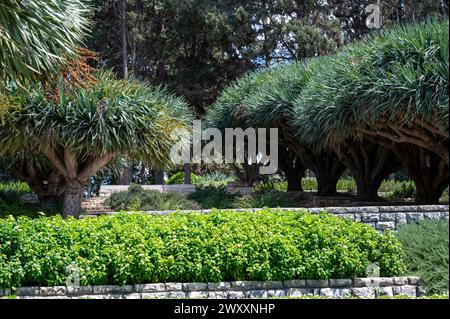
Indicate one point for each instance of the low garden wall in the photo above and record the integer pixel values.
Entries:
(333, 288)
(379, 217)
(183, 189)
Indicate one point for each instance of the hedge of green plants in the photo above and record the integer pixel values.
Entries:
(223, 245)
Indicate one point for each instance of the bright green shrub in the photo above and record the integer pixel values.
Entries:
(136, 198)
(347, 184)
(426, 246)
(222, 245)
(309, 184)
(178, 178)
(212, 197)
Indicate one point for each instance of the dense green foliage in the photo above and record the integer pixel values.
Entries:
(212, 197)
(137, 248)
(197, 47)
(215, 179)
(178, 178)
(112, 116)
(426, 247)
(259, 199)
(37, 36)
(136, 198)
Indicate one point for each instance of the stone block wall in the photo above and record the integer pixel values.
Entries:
(332, 288)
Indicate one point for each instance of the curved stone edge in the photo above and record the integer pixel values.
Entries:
(333, 288)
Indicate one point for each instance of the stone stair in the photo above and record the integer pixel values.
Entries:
(95, 205)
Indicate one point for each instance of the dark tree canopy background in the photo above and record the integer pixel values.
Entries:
(196, 47)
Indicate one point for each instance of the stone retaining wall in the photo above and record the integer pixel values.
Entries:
(334, 288)
(379, 217)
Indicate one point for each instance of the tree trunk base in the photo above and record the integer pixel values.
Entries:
(73, 198)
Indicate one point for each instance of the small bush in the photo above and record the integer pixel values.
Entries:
(178, 178)
(13, 191)
(402, 189)
(260, 199)
(426, 246)
(212, 197)
(270, 186)
(11, 202)
(220, 246)
(309, 184)
(444, 196)
(347, 184)
(215, 179)
(136, 198)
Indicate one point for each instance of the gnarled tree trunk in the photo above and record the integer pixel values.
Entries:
(248, 174)
(369, 164)
(292, 168)
(327, 177)
(429, 171)
(47, 184)
(76, 173)
(187, 169)
(325, 164)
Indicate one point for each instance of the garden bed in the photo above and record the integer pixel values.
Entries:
(123, 249)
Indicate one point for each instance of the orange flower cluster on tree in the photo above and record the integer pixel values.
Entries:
(77, 73)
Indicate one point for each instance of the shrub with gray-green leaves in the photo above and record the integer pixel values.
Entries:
(426, 246)
(136, 198)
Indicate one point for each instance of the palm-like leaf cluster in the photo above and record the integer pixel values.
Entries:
(37, 36)
(112, 117)
(397, 78)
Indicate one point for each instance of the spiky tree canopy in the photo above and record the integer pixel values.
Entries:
(36, 37)
(110, 118)
(263, 98)
(391, 86)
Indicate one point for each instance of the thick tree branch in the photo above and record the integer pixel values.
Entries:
(55, 159)
(93, 167)
(70, 161)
